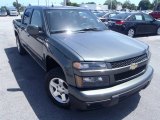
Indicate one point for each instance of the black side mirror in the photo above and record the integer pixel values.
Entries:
(33, 30)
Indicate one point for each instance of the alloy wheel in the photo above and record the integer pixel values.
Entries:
(131, 32)
(59, 90)
(158, 31)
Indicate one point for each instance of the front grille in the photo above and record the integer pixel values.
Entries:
(127, 62)
(128, 74)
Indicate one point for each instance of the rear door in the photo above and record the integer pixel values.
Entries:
(151, 26)
(25, 21)
(139, 23)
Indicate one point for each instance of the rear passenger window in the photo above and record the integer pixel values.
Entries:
(36, 19)
(148, 17)
(26, 16)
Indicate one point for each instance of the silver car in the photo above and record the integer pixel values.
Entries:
(3, 13)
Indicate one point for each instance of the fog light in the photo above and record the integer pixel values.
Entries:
(92, 79)
(88, 82)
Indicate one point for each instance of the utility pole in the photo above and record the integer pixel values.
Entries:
(65, 2)
(111, 4)
(46, 2)
(38, 2)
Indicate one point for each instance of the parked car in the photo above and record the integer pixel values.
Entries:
(3, 12)
(12, 12)
(133, 24)
(87, 65)
(100, 15)
(108, 15)
(155, 14)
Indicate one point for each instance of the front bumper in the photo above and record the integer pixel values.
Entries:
(90, 99)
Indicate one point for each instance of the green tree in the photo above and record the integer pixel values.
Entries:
(17, 5)
(144, 5)
(156, 5)
(3, 8)
(72, 4)
(112, 4)
(90, 3)
(127, 4)
(133, 7)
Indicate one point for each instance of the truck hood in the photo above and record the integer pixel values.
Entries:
(102, 45)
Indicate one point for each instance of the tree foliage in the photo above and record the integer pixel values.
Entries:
(90, 3)
(18, 6)
(112, 4)
(127, 4)
(3, 8)
(72, 4)
(156, 4)
(144, 5)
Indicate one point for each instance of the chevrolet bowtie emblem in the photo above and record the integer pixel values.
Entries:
(133, 66)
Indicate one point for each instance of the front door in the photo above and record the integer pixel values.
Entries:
(36, 42)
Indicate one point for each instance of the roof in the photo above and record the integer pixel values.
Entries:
(55, 7)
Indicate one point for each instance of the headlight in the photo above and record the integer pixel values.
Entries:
(90, 82)
(148, 53)
(89, 65)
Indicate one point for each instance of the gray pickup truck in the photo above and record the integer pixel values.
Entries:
(88, 66)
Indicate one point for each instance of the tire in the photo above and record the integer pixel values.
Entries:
(57, 88)
(158, 31)
(20, 48)
(131, 32)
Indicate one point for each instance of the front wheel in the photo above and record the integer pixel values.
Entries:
(20, 48)
(57, 88)
(131, 32)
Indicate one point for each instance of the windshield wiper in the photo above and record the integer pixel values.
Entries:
(58, 31)
(89, 29)
(85, 29)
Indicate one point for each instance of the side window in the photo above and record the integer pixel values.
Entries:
(138, 17)
(147, 17)
(26, 16)
(36, 19)
(111, 15)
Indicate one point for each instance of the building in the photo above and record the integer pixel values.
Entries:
(95, 6)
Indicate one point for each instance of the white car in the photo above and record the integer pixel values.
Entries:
(13, 12)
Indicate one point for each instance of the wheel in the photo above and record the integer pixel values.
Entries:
(57, 88)
(131, 32)
(158, 31)
(20, 48)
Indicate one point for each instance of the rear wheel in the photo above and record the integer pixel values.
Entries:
(20, 48)
(131, 32)
(158, 31)
(57, 88)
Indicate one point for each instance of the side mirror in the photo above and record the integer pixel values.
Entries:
(33, 30)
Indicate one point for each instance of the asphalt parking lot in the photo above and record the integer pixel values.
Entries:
(23, 97)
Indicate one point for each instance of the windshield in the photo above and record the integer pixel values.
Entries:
(72, 20)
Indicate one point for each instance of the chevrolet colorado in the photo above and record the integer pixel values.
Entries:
(87, 65)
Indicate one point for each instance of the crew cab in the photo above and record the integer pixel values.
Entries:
(87, 65)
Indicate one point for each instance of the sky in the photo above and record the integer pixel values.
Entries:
(56, 2)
